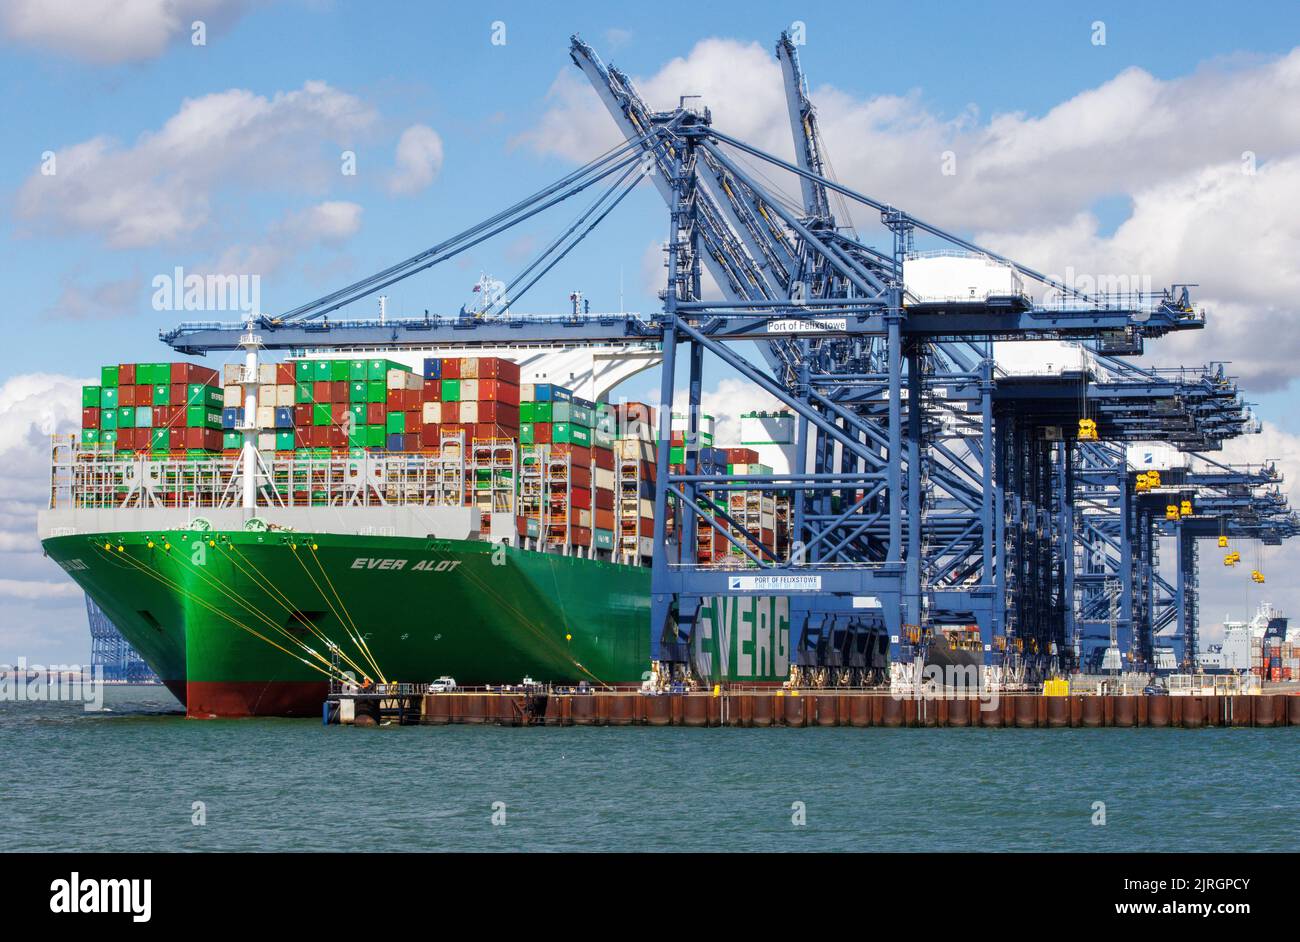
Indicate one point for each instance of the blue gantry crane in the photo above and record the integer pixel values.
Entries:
(932, 485)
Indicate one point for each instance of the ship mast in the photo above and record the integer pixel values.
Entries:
(250, 342)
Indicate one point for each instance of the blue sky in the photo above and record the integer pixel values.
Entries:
(1122, 157)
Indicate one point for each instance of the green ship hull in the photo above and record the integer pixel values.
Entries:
(240, 623)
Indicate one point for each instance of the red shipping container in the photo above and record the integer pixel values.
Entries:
(604, 519)
(604, 499)
(645, 470)
(581, 453)
(302, 416)
(395, 400)
(580, 497)
(542, 433)
(430, 436)
(581, 536)
(498, 390)
(176, 394)
(451, 429)
(603, 458)
(162, 416)
(338, 411)
(90, 418)
(768, 537)
(432, 391)
(284, 374)
(376, 413)
(741, 456)
(320, 390)
(580, 476)
(451, 368)
(186, 373)
(126, 374)
(143, 395)
(194, 438)
(176, 438)
(126, 395)
(499, 368)
(483, 430)
(499, 413)
(335, 437)
(339, 391)
(647, 526)
(302, 436)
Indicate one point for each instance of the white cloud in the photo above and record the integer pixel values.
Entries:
(107, 32)
(161, 188)
(19, 589)
(330, 224)
(418, 160)
(120, 297)
(1027, 184)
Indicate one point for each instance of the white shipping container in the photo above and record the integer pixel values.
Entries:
(414, 382)
(767, 428)
(230, 374)
(647, 508)
(526, 392)
(266, 394)
(468, 412)
(635, 449)
(432, 413)
(266, 374)
(266, 441)
(469, 390)
(396, 379)
(284, 396)
(603, 479)
(232, 397)
(959, 277)
(266, 419)
(584, 517)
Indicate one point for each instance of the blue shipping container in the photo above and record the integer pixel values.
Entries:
(432, 368)
(397, 442)
(283, 417)
(230, 417)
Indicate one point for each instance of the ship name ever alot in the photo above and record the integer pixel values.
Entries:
(392, 565)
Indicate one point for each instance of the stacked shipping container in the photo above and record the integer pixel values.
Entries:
(156, 408)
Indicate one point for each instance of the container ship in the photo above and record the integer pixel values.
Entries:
(412, 516)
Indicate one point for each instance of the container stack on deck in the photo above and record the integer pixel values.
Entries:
(158, 408)
(575, 473)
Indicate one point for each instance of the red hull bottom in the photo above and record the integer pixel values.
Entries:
(213, 700)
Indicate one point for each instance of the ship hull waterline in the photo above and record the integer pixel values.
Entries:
(223, 617)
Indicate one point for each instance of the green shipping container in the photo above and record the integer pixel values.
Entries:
(396, 424)
(603, 539)
(284, 440)
(126, 417)
(602, 438)
(90, 396)
(568, 432)
(303, 371)
(378, 369)
(107, 420)
(526, 433)
(107, 440)
(320, 414)
(451, 390)
(302, 392)
(197, 394)
(357, 391)
(89, 437)
(340, 370)
(159, 438)
(677, 454)
(162, 394)
(526, 411)
(376, 391)
(202, 417)
(358, 414)
(108, 376)
(232, 440)
(375, 436)
(358, 369)
(323, 372)
(543, 412)
(558, 412)
(580, 415)
(108, 397)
